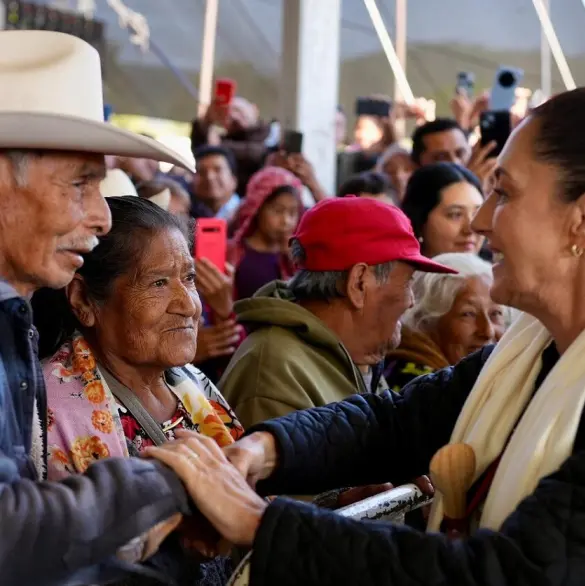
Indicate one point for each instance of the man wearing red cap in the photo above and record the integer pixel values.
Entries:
(319, 338)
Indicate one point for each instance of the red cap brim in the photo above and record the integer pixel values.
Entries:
(422, 263)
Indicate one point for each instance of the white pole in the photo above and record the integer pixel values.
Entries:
(400, 42)
(554, 45)
(207, 54)
(399, 75)
(545, 60)
(401, 46)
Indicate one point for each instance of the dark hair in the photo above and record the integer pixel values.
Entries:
(214, 151)
(134, 221)
(423, 191)
(433, 127)
(367, 182)
(560, 139)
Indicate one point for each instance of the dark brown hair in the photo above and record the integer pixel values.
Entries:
(561, 140)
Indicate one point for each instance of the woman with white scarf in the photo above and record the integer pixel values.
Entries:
(514, 412)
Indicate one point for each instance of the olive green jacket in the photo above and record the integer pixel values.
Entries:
(290, 360)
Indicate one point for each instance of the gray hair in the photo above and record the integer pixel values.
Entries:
(324, 285)
(19, 159)
(435, 293)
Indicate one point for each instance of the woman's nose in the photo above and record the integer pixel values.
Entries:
(186, 302)
(485, 329)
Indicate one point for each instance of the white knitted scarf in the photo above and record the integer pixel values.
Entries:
(503, 394)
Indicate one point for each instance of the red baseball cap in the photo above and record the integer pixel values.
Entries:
(339, 233)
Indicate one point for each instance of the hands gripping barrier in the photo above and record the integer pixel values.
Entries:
(388, 506)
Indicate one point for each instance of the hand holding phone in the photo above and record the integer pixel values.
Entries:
(292, 142)
(211, 241)
(225, 91)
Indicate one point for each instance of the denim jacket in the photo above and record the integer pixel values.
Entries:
(66, 533)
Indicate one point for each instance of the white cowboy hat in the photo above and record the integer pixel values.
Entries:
(117, 184)
(52, 99)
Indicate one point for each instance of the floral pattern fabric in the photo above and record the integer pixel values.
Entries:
(86, 423)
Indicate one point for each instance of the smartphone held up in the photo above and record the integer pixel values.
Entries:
(211, 241)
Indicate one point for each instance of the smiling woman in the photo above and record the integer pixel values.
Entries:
(440, 201)
(119, 342)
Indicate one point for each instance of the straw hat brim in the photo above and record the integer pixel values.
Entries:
(52, 131)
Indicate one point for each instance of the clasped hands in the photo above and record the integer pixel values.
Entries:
(221, 484)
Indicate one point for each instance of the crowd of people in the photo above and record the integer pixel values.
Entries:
(153, 405)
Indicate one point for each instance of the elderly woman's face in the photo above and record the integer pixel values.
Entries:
(473, 321)
(448, 227)
(152, 314)
(527, 225)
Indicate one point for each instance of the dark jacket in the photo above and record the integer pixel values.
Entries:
(64, 533)
(371, 439)
(248, 147)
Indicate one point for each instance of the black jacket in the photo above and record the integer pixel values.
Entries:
(373, 439)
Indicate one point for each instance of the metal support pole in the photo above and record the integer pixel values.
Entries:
(400, 41)
(208, 54)
(545, 59)
(401, 45)
(554, 45)
(384, 38)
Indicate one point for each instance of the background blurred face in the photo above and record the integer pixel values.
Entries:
(367, 132)
(450, 146)
(399, 168)
(49, 221)
(527, 223)
(383, 308)
(214, 181)
(152, 314)
(448, 227)
(473, 321)
(278, 218)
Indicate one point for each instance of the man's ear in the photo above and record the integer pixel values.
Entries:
(357, 283)
(82, 307)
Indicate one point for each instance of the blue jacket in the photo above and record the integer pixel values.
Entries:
(66, 533)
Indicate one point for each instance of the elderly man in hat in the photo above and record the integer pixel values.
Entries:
(88, 529)
(319, 338)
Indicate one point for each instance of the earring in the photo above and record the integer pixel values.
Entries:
(576, 250)
(421, 239)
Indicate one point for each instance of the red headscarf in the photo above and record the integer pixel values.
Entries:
(260, 187)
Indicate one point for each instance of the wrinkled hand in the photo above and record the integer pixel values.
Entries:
(482, 164)
(215, 287)
(216, 487)
(254, 456)
(219, 340)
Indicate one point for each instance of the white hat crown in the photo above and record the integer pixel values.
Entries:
(49, 72)
(51, 98)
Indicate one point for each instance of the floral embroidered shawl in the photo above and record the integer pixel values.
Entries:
(84, 417)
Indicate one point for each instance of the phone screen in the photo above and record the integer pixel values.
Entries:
(373, 107)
